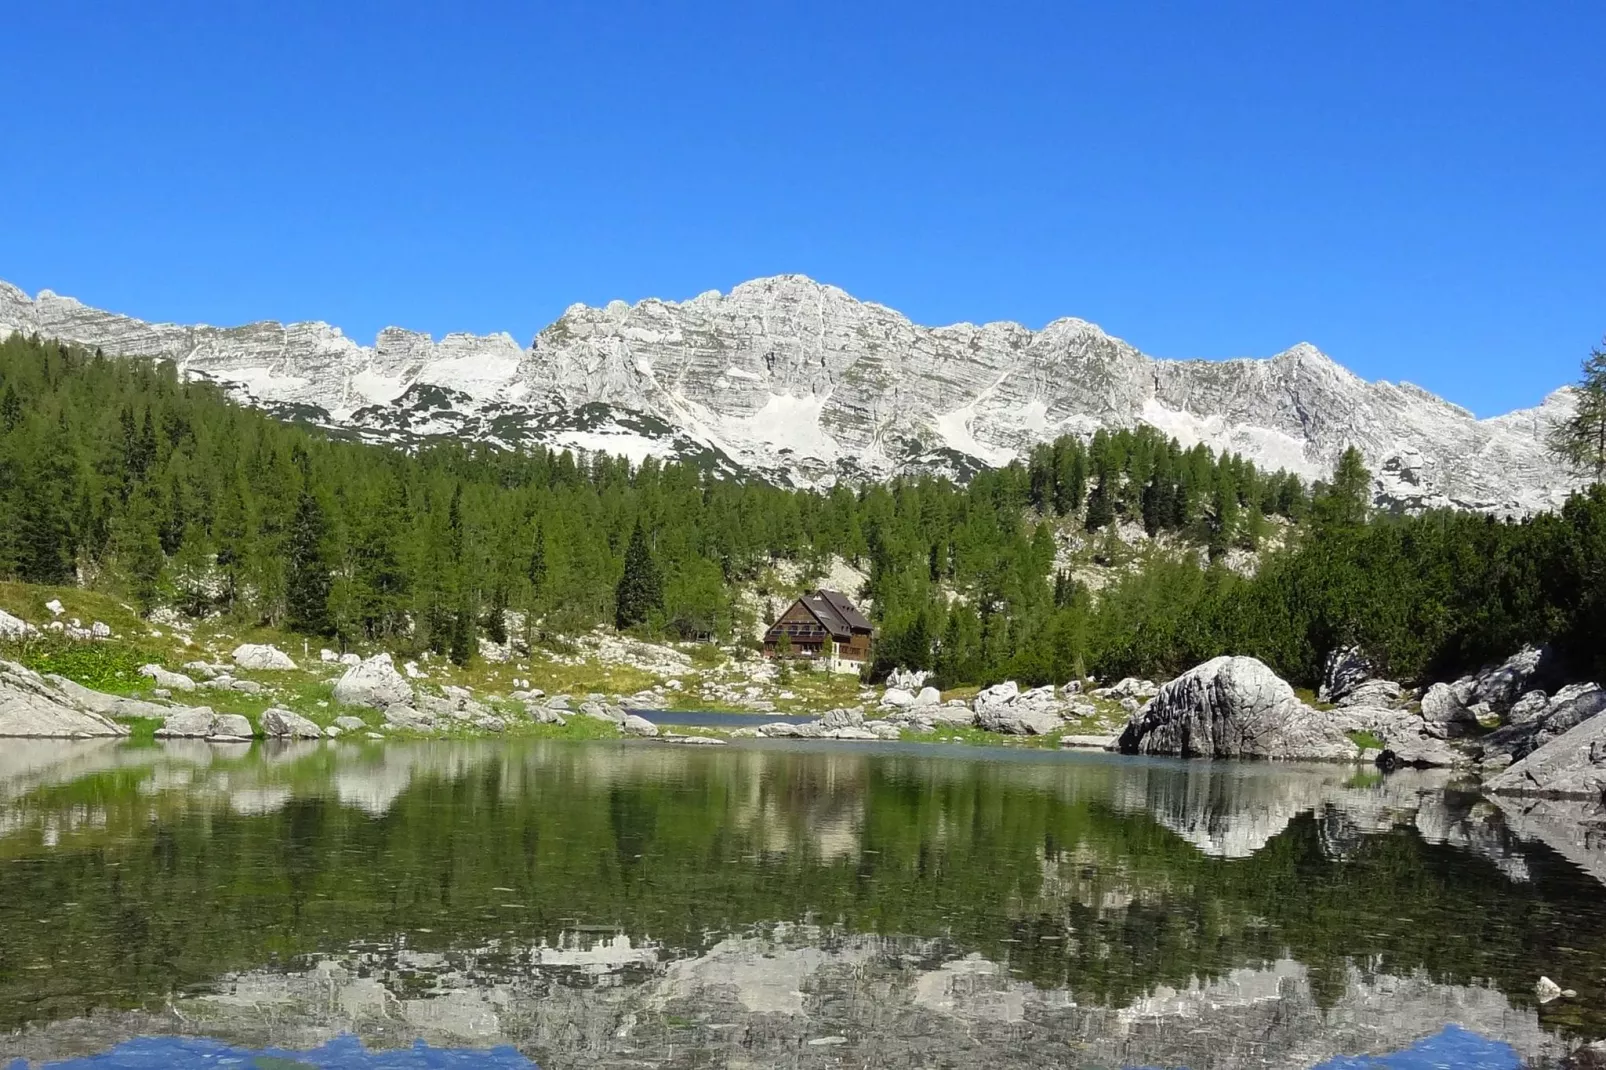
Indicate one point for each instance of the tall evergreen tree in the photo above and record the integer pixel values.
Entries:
(640, 589)
(308, 578)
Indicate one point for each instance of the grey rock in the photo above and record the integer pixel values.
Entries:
(638, 726)
(1019, 719)
(373, 682)
(107, 705)
(950, 716)
(261, 656)
(927, 697)
(407, 718)
(1233, 707)
(1345, 669)
(558, 702)
(231, 726)
(1444, 715)
(1571, 706)
(842, 718)
(349, 723)
(284, 724)
(1572, 765)
(200, 670)
(1501, 685)
(172, 681)
(1087, 742)
(884, 729)
(189, 723)
(249, 687)
(1530, 707)
(1381, 693)
(897, 696)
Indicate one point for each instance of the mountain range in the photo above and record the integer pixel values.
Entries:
(798, 382)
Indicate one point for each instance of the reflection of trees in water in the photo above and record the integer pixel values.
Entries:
(1104, 878)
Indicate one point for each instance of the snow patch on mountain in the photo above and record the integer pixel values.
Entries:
(800, 382)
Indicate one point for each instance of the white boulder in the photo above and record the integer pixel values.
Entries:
(374, 682)
(283, 724)
(172, 681)
(261, 656)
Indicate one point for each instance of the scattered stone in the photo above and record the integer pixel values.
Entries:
(261, 656)
(1547, 990)
(349, 723)
(374, 683)
(200, 669)
(283, 724)
(55, 607)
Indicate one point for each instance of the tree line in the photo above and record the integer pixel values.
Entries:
(120, 475)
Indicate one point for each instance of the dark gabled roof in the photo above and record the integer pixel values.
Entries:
(843, 609)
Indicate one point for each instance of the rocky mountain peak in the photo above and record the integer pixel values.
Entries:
(798, 381)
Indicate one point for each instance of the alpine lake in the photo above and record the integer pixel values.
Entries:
(777, 904)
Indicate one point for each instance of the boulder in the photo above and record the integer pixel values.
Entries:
(31, 705)
(1233, 707)
(200, 670)
(950, 716)
(849, 717)
(1570, 707)
(349, 723)
(374, 682)
(1380, 693)
(928, 696)
(405, 717)
(107, 705)
(638, 726)
(884, 729)
(231, 726)
(261, 656)
(283, 724)
(1345, 669)
(1530, 707)
(898, 697)
(188, 723)
(171, 681)
(1501, 685)
(1444, 715)
(1572, 765)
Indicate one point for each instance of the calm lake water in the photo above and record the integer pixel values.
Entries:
(774, 905)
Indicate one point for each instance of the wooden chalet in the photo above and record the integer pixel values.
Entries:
(825, 627)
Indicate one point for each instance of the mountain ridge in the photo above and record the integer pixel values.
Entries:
(798, 381)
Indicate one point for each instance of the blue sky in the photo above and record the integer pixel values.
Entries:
(1419, 189)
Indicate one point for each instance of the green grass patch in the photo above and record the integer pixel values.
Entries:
(1366, 740)
(104, 666)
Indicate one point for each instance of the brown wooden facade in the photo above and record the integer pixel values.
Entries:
(824, 626)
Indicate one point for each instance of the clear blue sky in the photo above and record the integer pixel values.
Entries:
(1419, 189)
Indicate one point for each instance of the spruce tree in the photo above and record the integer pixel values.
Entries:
(308, 581)
(640, 589)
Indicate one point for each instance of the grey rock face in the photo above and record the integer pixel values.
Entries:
(1571, 765)
(1569, 707)
(374, 682)
(31, 705)
(1005, 708)
(799, 380)
(639, 726)
(1346, 669)
(189, 723)
(1384, 693)
(231, 726)
(1233, 707)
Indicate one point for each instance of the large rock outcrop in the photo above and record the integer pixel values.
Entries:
(1572, 765)
(31, 705)
(375, 683)
(798, 379)
(1233, 707)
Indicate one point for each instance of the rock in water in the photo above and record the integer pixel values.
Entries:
(185, 722)
(261, 656)
(1571, 765)
(283, 724)
(231, 726)
(30, 705)
(374, 682)
(1233, 707)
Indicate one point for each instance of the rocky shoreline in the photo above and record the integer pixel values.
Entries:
(1518, 725)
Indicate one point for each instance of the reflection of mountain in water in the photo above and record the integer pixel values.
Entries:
(806, 996)
(605, 903)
